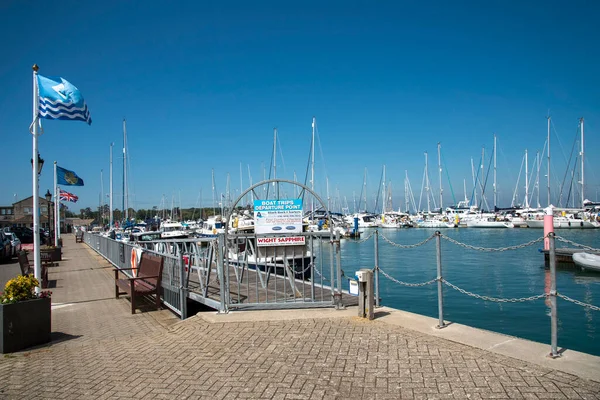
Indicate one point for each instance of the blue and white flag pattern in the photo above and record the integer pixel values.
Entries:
(59, 99)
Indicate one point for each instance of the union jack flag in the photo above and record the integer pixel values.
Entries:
(66, 196)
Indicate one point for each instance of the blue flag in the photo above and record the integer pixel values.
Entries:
(66, 177)
(59, 99)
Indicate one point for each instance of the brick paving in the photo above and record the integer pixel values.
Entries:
(101, 351)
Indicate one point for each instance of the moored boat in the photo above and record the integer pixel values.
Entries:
(587, 261)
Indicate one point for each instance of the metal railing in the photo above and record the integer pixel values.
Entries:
(232, 272)
(551, 295)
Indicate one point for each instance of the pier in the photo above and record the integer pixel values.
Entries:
(100, 350)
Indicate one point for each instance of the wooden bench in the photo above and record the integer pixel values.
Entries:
(146, 282)
(79, 237)
(28, 269)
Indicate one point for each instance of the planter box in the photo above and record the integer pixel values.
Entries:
(24, 324)
(53, 255)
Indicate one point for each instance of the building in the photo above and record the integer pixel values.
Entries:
(21, 214)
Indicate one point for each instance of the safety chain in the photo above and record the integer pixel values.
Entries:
(579, 303)
(495, 299)
(562, 239)
(407, 246)
(405, 283)
(320, 274)
(362, 240)
(491, 249)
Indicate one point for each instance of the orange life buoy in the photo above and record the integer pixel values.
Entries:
(134, 262)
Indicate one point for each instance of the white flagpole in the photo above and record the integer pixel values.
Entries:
(56, 208)
(111, 186)
(37, 266)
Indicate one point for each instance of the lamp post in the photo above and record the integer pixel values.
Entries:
(49, 204)
(40, 163)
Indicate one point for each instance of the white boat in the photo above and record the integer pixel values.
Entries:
(587, 261)
(214, 225)
(490, 222)
(173, 230)
(364, 220)
(564, 223)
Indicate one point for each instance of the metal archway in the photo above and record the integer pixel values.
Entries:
(280, 275)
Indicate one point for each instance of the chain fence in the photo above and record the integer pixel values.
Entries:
(495, 299)
(564, 240)
(406, 246)
(406, 283)
(492, 249)
(579, 303)
(363, 240)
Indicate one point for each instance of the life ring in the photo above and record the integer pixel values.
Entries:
(134, 262)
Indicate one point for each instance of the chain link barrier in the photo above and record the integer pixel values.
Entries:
(406, 283)
(564, 240)
(406, 246)
(579, 303)
(362, 240)
(492, 249)
(495, 299)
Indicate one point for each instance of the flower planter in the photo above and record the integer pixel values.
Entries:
(24, 324)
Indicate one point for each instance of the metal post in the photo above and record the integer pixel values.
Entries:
(182, 288)
(438, 242)
(221, 273)
(338, 304)
(552, 294)
(332, 268)
(365, 294)
(376, 268)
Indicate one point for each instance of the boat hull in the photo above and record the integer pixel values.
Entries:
(587, 261)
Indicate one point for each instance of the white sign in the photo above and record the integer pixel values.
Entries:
(278, 216)
(353, 287)
(280, 241)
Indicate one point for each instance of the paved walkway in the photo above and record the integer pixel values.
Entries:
(101, 351)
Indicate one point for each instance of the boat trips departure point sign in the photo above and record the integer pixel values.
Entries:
(278, 216)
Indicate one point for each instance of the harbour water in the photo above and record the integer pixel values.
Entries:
(510, 274)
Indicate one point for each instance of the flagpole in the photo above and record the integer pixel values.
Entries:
(111, 186)
(56, 208)
(37, 267)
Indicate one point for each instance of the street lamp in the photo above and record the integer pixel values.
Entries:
(40, 163)
(48, 197)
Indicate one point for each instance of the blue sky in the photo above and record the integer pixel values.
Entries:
(203, 84)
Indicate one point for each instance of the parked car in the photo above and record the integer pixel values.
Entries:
(26, 234)
(15, 243)
(5, 247)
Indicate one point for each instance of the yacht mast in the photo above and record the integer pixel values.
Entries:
(214, 192)
(111, 184)
(548, 140)
(406, 191)
(526, 180)
(312, 157)
(312, 170)
(274, 154)
(481, 176)
(384, 193)
(125, 199)
(582, 158)
(474, 183)
(538, 162)
(495, 191)
(365, 190)
(440, 173)
(427, 184)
